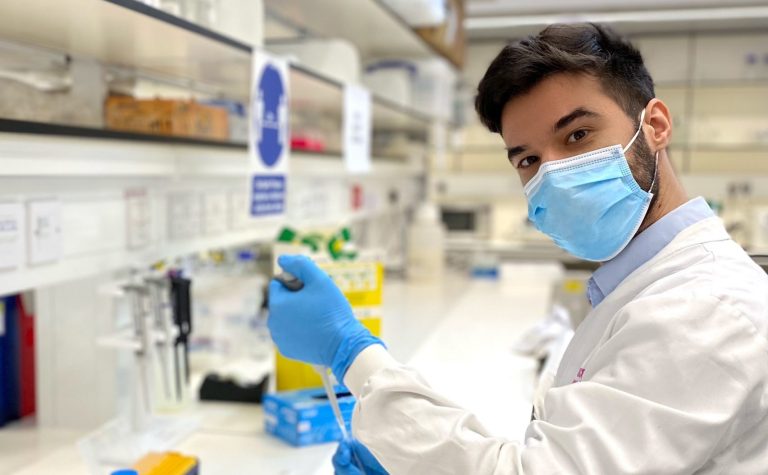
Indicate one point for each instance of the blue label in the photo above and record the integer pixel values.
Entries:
(267, 195)
(271, 93)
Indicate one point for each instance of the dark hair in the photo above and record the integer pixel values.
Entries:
(588, 48)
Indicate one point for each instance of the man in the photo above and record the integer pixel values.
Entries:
(667, 374)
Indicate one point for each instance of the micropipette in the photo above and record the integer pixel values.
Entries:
(294, 284)
(331, 393)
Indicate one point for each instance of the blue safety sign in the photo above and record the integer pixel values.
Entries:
(272, 95)
(267, 195)
(269, 147)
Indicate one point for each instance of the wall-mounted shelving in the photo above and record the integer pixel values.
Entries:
(722, 147)
(61, 151)
(168, 46)
(43, 128)
(113, 34)
(371, 25)
(90, 169)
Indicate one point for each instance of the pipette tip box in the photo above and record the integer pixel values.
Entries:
(305, 417)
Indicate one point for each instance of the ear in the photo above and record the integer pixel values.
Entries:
(658, 124)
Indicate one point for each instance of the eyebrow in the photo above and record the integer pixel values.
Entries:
(576, 114)
(561, 123)
(514, 151)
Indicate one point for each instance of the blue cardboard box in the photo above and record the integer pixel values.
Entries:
(305, 417)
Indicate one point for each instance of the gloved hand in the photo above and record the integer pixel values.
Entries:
(315, 324)
(344, 462)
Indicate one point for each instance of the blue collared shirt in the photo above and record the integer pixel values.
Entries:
(643, 247)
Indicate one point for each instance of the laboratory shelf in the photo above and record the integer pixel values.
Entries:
(369, 24)
(113, 34)
(47, 128)
(29, 149)
(166, 17)
(722, 147)
(714, 147)
(312, 91)
(153, 43)
(713, 83)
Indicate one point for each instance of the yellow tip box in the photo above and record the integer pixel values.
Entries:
(167, 463)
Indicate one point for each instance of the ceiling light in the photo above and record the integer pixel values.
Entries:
(640, 16)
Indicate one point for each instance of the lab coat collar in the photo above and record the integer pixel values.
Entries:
(644, 247)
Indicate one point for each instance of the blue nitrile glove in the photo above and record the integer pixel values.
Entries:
(344, 462)
(315, 324)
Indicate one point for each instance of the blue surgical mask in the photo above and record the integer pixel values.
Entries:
(590, 204)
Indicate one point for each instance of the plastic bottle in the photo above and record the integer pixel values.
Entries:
(426, 245)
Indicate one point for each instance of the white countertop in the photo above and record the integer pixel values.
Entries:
(457, 333)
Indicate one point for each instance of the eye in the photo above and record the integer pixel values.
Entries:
(527, 161)
(578, 135)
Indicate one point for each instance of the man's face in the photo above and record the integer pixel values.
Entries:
(565, 115)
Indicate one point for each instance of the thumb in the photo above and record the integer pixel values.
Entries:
(300, 266)
(343, 455)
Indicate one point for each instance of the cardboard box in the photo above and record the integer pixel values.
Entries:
(305, 417)
(449, 38)
(166, 117)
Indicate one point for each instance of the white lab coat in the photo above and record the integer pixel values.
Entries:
(669, 374)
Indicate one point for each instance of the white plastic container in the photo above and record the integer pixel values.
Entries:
(391, 79)
(419, 12)
(426, 245)
(426, 85)
(336, 58)
(242, 20)
(433, 88)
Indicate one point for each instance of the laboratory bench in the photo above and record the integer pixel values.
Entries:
(464, 249)
(458, 332)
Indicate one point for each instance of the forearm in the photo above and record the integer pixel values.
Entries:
(412, 429)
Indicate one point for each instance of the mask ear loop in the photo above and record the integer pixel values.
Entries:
(655, 173)
(639, 128)
(656, 166)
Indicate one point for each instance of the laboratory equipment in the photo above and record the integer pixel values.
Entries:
(181, 298)
(159, 292)
(291, 282)
(137, 429)
(136, 295)
(467, 221)
(426, 245)
(294, 284)
(333, 333)
(331, 393)
(220, 388)
(168, 463)
(736, 213)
